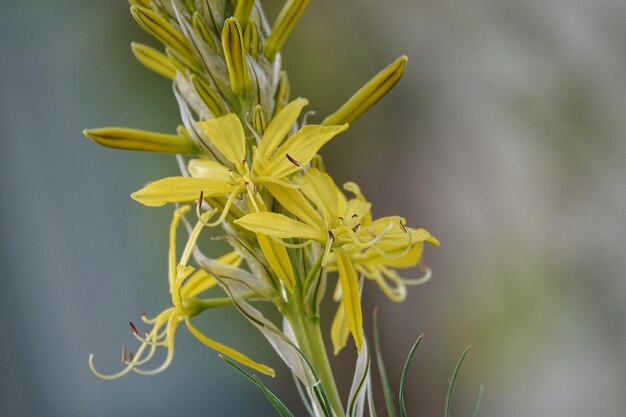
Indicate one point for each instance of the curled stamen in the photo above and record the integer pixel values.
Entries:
(261, 180)
(328, 247)
(133, 328)
(409, 281)
(220, 219)
(306, 116)
(293, 161)
(406, 250)
(371, 243)
(292, 245)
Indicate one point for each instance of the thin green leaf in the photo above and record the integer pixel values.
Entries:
(302, 394)
(452, 381)
(404, 372)
(384, 381)
(283, 411)
(479, 396)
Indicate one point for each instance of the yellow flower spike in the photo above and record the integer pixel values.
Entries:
(279, 127)
(231, 353)
(153, 60)
(242, 11)
(234, 54)
(208, 96)
(280, 226)
(369, 94)
(351, 298)
(284, 24)
(278, 258)
(201, 29)
(258, 120)
(251, 39)
(282, 92)
(226, 133)
(161, 29)
(299, 149)
(339, 330)
(179, 190)
(141, 140)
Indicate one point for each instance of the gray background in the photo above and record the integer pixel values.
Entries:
(505, 139)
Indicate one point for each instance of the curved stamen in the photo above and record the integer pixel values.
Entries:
(292, 245)
(263, 179)
(428, 273)
(387, 255)
(329, 245)
(172, 324)
(229, 203)
(361, 244)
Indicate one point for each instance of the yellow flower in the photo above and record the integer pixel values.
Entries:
(185, 284)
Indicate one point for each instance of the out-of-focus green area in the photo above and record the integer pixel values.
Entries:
(505, 139)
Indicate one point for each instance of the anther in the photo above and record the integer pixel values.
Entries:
(131, 355)
(201, 199)
(354, 216)
(123, 354)
(293, 161)
(402, 227)
(133, 328)
(371, 233)
(144, 315)
(356, 228)
(331, 235)
(340, 218)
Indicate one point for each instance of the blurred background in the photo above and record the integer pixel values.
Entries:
(505, 139)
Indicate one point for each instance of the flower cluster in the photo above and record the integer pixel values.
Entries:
(250, 165)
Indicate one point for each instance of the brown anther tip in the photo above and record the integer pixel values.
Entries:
(131, 355)
(243, 162)
(354, 216)
(402, 227)
(422, 265)
(133, 328)
(340, 218)
(371, 233)
(293, 161)
(255, 190)
(144, 315)
(201, 199)
(123, 354)
(331, 235)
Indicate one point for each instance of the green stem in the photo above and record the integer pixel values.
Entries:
(310, 340)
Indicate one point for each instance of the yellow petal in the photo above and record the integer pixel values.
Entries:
(280, 226)
(278, 258)
(351, 298)
(280, 125)
(299, 149)
(356, 210)
(206, 168)
(320, 188)
(226, 133)
(179, 189)
(339, 330)
(141, 140)
(230, 352)
(296, 203)
(172, 262)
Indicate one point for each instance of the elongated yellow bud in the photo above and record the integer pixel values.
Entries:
(251, 39)
(232, 42)
(201, 29)
(208, 95)
(282, 92)
(243, 10)
(175, 60)
(161, 29)
(369, 94)
(284, 24)
(154, 60)
(258, 120)
(141, 140)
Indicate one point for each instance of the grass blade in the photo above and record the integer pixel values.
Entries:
(384, 381)
(404, 372)
(283, 411)
(452, 381)
(479, 396)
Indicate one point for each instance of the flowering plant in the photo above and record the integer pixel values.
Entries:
(252, 176)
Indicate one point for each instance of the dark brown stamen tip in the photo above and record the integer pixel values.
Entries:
(422, 265)
(144, 315)
(356, 228)
(243, 162)
(201, 199)
(293, 161)
(331, 235)
(133, 328)
(123, 354)
(340, 218)
(402, 227)
(371, 233)
(131, 355)
(354, 216)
